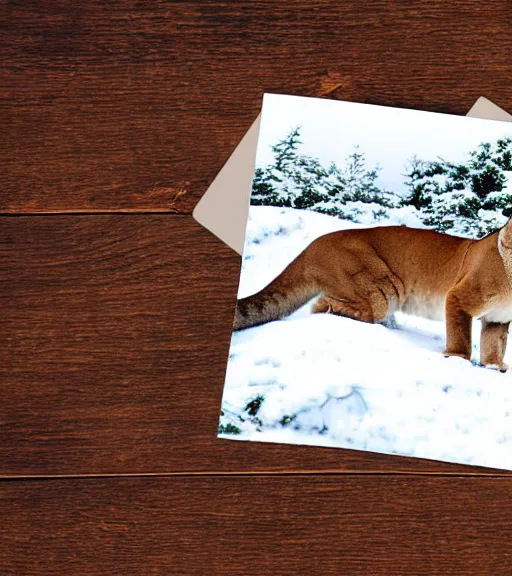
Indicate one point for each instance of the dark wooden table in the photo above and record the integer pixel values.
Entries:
(116, 306)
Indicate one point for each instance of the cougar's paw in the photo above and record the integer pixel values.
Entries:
(502, 367)
(345, 308)
(321, 306)
(450, 354)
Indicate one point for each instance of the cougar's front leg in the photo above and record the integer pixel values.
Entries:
(458, 328)
(493, 343)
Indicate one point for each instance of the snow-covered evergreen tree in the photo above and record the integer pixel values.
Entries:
(472, 199)
(299, 181)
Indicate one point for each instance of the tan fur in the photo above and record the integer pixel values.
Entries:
(368, 274)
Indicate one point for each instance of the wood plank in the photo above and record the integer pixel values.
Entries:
(128, 107)
(328, 525)
(113, 347)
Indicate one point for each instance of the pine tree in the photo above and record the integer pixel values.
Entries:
(360, 183)
(299, 181)
(473, 199)
(285, 150)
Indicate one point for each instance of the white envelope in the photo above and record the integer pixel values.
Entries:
(224, 207)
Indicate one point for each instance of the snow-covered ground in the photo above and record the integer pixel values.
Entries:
(330, 381)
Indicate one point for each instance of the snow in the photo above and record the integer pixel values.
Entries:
(507, 188)
(331, 381)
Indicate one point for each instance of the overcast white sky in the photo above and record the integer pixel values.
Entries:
(388, 136)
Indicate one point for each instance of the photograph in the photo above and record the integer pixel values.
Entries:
(374, 298)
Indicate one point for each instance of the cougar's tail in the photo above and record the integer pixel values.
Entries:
(288, 292)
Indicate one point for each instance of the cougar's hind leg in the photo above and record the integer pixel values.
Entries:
(351, 298)
(366, 290)
(340, 294)
(379, 300)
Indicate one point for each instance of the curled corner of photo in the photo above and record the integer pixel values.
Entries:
(484, 108)
(224, 208)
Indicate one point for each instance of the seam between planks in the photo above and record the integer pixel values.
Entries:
(94, 213)
(458, 475)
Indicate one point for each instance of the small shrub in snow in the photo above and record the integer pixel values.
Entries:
(254, 405)
(229, 429)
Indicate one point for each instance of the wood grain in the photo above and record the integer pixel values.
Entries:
(323, 525)
(115, 329)
(130, 106)
(113, 348)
